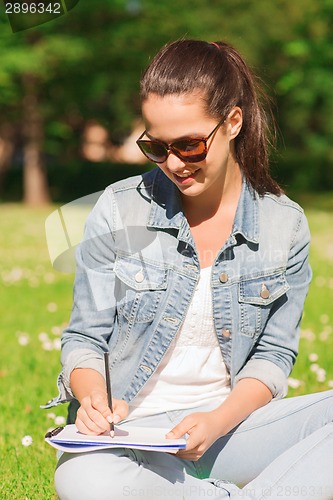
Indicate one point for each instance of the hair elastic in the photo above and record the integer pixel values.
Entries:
(213, 43)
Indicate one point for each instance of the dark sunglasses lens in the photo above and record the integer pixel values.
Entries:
(190, 150)
(154, 151)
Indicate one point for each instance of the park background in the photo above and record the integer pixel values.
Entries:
(69, 114)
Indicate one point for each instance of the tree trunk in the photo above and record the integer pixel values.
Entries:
(6, 151)
(35, 185)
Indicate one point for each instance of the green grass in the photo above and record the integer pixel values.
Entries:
(36, 299)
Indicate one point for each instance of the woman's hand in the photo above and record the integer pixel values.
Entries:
(94, 416)
(203, 429)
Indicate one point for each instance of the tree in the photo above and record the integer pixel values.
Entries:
(87, 65)
(29, 63)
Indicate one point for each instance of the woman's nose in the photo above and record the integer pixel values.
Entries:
(174, 163)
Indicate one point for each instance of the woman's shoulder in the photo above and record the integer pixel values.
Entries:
(280, 203)
(144, 181)
(283, 216)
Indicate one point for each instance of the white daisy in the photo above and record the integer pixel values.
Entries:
(23, 338)
(314, 367)
(26, 440)
(294, 383)
(57, 344)
(43, 336)
(56, 330)
(324, 318)
(48, 345)
(52, 307)
(321, 375)
(60, 420)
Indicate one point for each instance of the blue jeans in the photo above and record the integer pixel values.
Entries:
(283, 450)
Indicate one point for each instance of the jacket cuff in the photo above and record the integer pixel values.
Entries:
(80, 358)
(268, 373)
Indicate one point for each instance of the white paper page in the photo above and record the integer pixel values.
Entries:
(128, 436)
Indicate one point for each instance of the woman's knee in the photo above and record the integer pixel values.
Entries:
(88, 476)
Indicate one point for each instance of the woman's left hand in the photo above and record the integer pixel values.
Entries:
(203, 429)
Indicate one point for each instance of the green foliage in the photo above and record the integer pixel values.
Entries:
(87, 64)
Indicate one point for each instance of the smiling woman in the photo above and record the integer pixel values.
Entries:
(184, 117)
(193, 276)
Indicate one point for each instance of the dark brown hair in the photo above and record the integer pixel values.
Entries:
(224, 80)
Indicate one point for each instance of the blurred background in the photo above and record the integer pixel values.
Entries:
(69, 88)
(69, 118)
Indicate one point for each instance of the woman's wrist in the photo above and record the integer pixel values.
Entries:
(247, 396)
(85, 382)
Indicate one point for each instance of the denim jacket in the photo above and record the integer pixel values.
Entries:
(137, 269)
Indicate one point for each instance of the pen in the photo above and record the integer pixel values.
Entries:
(108, 388)
(54, 432)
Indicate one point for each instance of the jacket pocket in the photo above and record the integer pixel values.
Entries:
(256, 297)
(139, 288)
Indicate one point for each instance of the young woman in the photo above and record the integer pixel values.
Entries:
(193, 276)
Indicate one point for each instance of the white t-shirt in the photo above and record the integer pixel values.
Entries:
(192, 372)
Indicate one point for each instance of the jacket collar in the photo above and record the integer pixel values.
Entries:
(246, 220)
(167, 213)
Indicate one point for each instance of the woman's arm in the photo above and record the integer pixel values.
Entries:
(275, 350)
(204, 428)
(92, 322)
(94, 415)
(248, 395)
(87, 335)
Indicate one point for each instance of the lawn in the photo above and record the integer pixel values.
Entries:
(35, 305)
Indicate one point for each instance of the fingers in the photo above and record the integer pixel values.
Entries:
(120, 410)
(94, 416)
(196, 442)
(99, 402)
(184, 427)
(194, 448)
(84, 429)
(119, 407)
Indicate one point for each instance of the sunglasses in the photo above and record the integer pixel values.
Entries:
(188, 150)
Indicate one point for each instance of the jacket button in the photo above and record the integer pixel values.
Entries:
(173, 321)
(139, 277)
(226, 333)
(223, 277)
(146, 369)
(264, 294)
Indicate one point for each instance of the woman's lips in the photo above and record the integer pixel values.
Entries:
(185, 180)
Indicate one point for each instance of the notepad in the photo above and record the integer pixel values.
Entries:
(70, 440)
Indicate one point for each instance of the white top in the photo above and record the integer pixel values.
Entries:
(192, 372)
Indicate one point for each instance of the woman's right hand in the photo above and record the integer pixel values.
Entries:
(94, 415)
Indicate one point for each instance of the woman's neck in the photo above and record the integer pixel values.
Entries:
(222, 196)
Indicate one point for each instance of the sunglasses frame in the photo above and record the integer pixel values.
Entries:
(171, 147)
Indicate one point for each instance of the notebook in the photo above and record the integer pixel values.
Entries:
(70, 440)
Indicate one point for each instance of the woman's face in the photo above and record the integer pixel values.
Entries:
(175, 117)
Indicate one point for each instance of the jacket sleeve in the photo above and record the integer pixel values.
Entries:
(94, 306)
(275, 352)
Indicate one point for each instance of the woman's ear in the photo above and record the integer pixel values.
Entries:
(235, 122)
